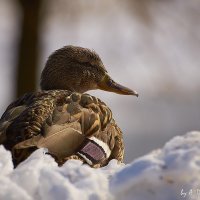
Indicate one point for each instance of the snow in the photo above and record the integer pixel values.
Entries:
(163, 173)
(168, 173)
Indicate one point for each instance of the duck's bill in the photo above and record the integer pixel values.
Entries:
(108, 84)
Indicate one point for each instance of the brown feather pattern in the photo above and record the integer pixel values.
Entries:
(61, 117)
(46, 112)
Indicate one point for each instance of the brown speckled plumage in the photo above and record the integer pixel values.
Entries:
(61, 117)
(87, 70)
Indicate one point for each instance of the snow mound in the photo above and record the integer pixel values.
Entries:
(168, 173)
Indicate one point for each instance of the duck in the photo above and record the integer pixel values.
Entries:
(61, 117)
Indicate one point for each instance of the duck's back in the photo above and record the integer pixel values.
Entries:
(70, 125)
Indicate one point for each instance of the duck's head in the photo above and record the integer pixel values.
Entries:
(78, 69)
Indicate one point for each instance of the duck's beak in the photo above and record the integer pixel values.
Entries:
(108, 84)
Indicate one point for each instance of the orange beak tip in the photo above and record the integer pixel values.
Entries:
(135, 94)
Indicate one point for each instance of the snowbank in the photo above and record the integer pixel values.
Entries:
(168, 173)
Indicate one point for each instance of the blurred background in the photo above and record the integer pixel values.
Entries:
(151, 46)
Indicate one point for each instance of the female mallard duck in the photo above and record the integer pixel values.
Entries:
(61, 117)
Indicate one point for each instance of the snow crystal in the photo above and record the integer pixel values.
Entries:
(168, 173)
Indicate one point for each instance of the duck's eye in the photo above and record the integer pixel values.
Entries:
(87, 64)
